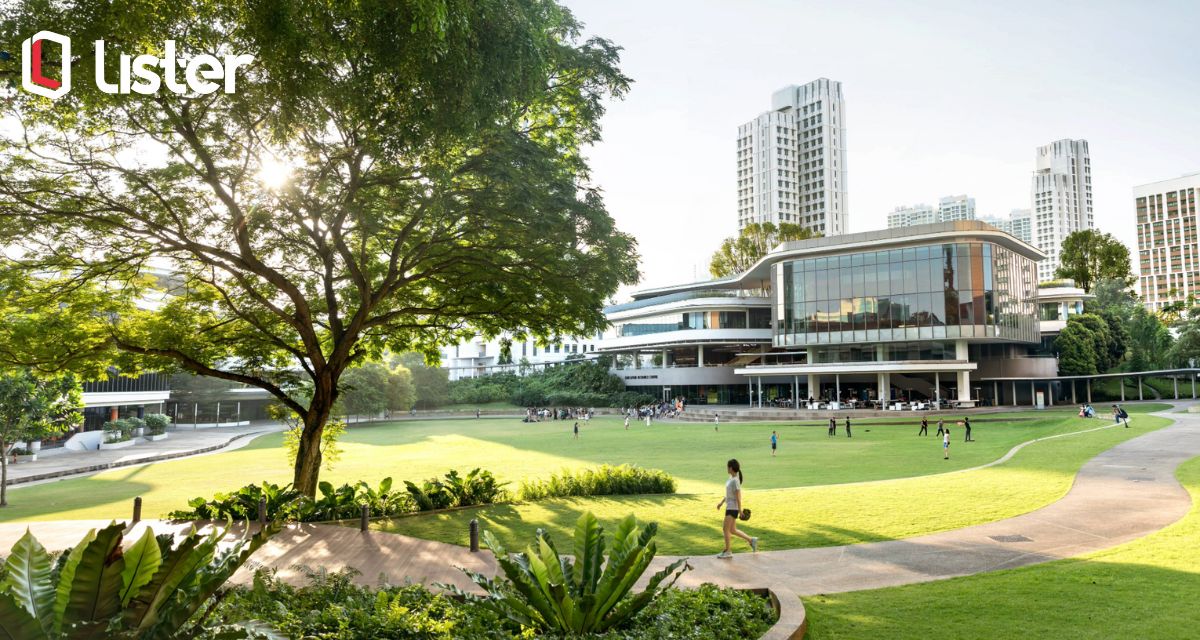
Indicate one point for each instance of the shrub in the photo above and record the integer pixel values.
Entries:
(157, 423)
(18, 451)
(332, 606)
(630, 399)
(588, 594)
(477, 487)
(605, 480)
(152, 590)
(118, 430)
(135, 423)
(283, 503)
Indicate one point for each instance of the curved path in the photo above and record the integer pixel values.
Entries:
(1125, 493)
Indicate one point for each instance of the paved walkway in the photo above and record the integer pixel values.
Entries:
(181, 442)
(1123, 494)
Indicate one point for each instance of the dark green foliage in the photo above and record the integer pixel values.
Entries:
(1076, 350)
(151, 590)
(157, 423)
(578, 595)
(575, 384)
(118, 430)
(1103, 343)
(332, 607)
(631, 399)
(605, 480)
(1150, 342)
(476, 488)
(1089, 256)
(287, 504)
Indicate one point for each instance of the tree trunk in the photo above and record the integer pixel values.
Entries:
(3, 474)
(308, 455)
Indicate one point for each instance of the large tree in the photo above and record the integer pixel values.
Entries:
(34, 407)
(754, 241)
(1089, 256)
(388, 175)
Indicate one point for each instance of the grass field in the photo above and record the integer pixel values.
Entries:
(1146, 589)
(806, 516)
(693, 453)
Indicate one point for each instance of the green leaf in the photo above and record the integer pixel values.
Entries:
(94, 591)
(15, 621)
(66, 578)
(141, 561)
(29, 582)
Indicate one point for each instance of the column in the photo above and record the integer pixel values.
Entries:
(141, 410)
(751, 383)
(1014, 394)
(1122, 381)
(884, 382)
(1175, 383)
(700, 355)
(1089, 390)
(837, 386)
(814, 386)
(1193, 377)
(795, 392)
(937, 386)
(1073, 400)
(964, 389)
(218, 421)
(1032, 394)
(995, 393)
(239, 412)
(114, 413)
(664, 358)
(1139, 381)
(759, 392)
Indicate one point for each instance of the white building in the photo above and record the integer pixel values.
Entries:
(479, 357)
(1168, 252)
(791, 161)
(953, 208)
(911, 215)
(1017, 223)
(1062, 198)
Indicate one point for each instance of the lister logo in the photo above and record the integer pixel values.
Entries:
(145, 74)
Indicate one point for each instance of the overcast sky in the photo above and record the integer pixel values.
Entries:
(942, 98)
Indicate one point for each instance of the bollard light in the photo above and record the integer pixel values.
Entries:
(474, 529)
(262, 511)
(137, 509)
(366, 516)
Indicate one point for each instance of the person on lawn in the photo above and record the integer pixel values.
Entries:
(732, 503)
(924, 426)
(774, 442)
(946, 444)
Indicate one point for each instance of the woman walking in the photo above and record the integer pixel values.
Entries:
(732, 503)
(946, 444)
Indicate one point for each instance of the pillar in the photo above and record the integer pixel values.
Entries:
(814, 386)
(114, 413)
(239, 411)
(964, 388)
(1193, 376)
(1089, 390)
(751, 383)
(664, 358)
(837, 386)
(141, 410)
(1122, 385)
(1139, 381)
(1032, 393)
(795, 392)
(218, 413)
(1073, 400)
(937, 386)
(1175, 383)
(1014, 394)
(995, 393)
(884, 382)
(759, 392)
(700, 356)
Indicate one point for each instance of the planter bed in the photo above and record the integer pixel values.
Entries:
(106, 446)
(156, 438)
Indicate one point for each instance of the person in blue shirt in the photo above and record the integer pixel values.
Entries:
(774, 443)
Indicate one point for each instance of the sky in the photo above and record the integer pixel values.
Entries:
(942, 98)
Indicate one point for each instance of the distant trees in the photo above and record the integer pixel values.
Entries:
(1087, 346)
(754, 241)
(1089, 256)
(431, 385)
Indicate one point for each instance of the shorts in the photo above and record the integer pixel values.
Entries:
(732, 513)
(945, 445)
(773, 445)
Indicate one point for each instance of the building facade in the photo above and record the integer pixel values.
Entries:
(934, 312)
(1017, 224)
(949, 209)
(1168, 253)
(480, 357)
(791, 160)
(953, 208)
(1062, 198)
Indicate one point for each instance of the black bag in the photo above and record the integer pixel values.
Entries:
(744, 515)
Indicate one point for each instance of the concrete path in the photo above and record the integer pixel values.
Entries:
(1124, 493)
(182, 442)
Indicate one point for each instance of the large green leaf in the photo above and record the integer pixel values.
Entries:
(142, 610)
(29, 582)
(96, 584)
(66, 579)
(15, 621)
(589, 553)
(141, 561)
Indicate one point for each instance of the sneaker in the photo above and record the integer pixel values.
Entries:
(724, 555)
(754, 544)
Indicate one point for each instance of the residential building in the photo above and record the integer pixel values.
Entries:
(1016, 223)
(948, 209)
(1168, 253)
(1062, 198)
(911, 215)
(480, 356)
(956, 208)
(791, 160)
(943, 311)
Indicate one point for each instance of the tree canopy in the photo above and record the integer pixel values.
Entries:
(754, 241)
(1089, 256)
(388, 176)
(34, 407)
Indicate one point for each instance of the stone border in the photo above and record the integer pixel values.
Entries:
(65, 473)
(791, 622)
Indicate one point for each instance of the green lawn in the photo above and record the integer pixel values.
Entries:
(806, 516)
(693, 453)
(1146, 589)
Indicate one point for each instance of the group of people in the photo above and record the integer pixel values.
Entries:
(535, 414)
(944, 432)
(1118, 413)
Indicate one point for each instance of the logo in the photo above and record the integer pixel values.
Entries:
(144, 74)
(33, 73)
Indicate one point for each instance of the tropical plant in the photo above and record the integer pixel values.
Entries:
(588, 594)
(605, 480)
(153, 590)
(347, 501)
(285, 503)
(282, 503)
(33, 407)
(477, 487)
(157, 423)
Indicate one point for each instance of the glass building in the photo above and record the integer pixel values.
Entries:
(914, 314)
